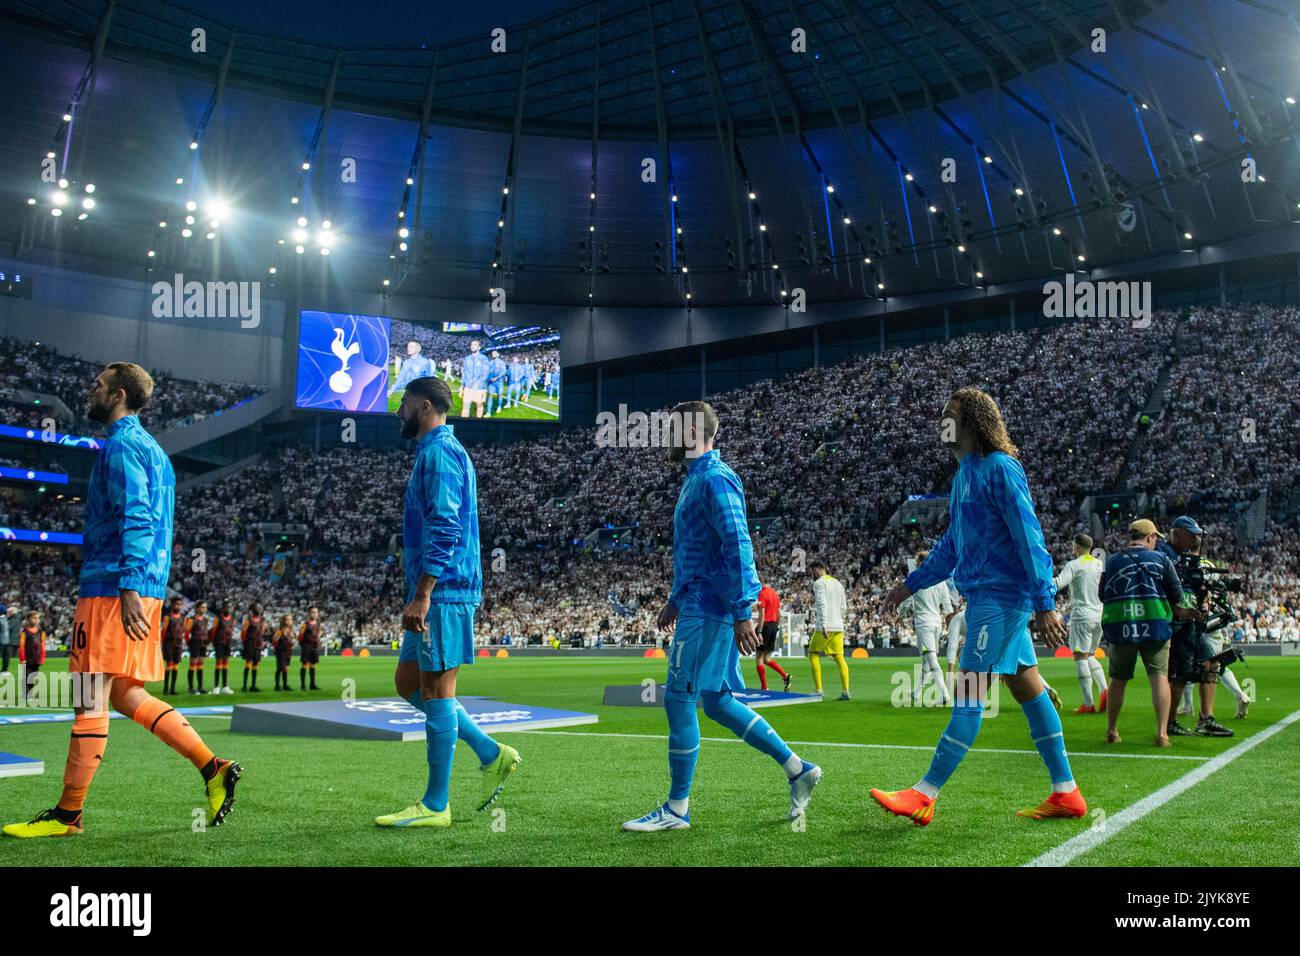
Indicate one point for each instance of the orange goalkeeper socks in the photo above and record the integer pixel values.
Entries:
(162, 720)
(85, 752)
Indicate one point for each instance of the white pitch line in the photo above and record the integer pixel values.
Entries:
(825, 743)
(1076, 846)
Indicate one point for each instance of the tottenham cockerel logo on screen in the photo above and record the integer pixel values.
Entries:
(342, 362)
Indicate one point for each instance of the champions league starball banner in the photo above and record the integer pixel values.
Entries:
(343, 362)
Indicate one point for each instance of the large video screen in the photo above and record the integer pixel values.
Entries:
(362, 363)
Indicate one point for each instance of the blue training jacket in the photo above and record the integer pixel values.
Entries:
(127, 543)
(993, 547)
(713, 558)
(440, 521)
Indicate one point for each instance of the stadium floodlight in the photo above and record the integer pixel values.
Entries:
(151, 253)
(403, 232)
(1198, 137)
(401, 214)
(306, 166)
(1290, 101)
(31, 200)
(50, 154)
(82, 217)
(880, 285)
(60, 198)
(194, 144)
(186, 233)
(1187, 235)
(324, 251)
(830, 188)
(401, 246)
(326, 224)
(753, 195)
(593, 195)
(960, 247)
(907, 176)
(214, 223)
(191, 205)
(849, 222)
(1056, 230)
(302, 221)
(385, 282)
(189, 220)
(271, 270)
(1019, 191)
(90, 187)
(501, 223)
(300, 235)
(1080, 257)
(674, 197)
(67, 117)
(762, 227)
(218, 208)
(867, 260)
(933, 208)
(988, 159)
(299, 249)
(180, 180)
(293, 200)
(87, 203)
(211, 235)
(56, 212)
(63, 184)
(979, 275)
(325, 239)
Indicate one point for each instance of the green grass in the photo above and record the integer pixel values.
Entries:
(542, 408)
(307, 801)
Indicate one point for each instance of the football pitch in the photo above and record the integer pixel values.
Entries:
(305, 801)
(538, 407)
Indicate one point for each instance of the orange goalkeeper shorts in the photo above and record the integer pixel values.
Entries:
(100, 644)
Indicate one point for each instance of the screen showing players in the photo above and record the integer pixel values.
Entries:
(362, 363)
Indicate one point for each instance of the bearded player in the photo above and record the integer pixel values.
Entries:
(994, 550)
(116, 639)
(444, 578)
(714, 589)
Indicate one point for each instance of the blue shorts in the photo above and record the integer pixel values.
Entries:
(997, 640)
(704, 656)
(447, 641)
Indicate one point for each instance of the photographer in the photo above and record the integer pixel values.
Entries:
(1190, 651)
(1141, 595)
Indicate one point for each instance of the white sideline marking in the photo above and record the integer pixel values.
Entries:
(825, 743)
(1077, 846)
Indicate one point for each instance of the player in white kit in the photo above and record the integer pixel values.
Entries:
(929, 606)
(1082, 576)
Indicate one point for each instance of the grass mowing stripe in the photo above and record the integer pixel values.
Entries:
(1077, 846)
(827, 743)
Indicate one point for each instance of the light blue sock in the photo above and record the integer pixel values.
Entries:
(484, 747)
(1045, 729)
(683, 742)
(440, 746)
(745, 724)
(958, 737)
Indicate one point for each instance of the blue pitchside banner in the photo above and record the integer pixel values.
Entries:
(389, 718)
(12, 765)
(65, 716)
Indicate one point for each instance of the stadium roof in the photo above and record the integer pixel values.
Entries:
(792, 167)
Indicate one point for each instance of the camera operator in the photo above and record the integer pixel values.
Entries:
(1189, 648)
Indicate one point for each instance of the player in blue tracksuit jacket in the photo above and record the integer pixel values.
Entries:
(444, 581)
(496, 382)
(474, 370)
(514, 381)
(994, 550)
(714, 589)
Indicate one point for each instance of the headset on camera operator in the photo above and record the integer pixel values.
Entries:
(1191, 652)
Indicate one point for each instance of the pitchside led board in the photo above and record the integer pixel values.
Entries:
(362, 363)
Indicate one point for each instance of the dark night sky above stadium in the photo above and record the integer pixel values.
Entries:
(373, 22)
